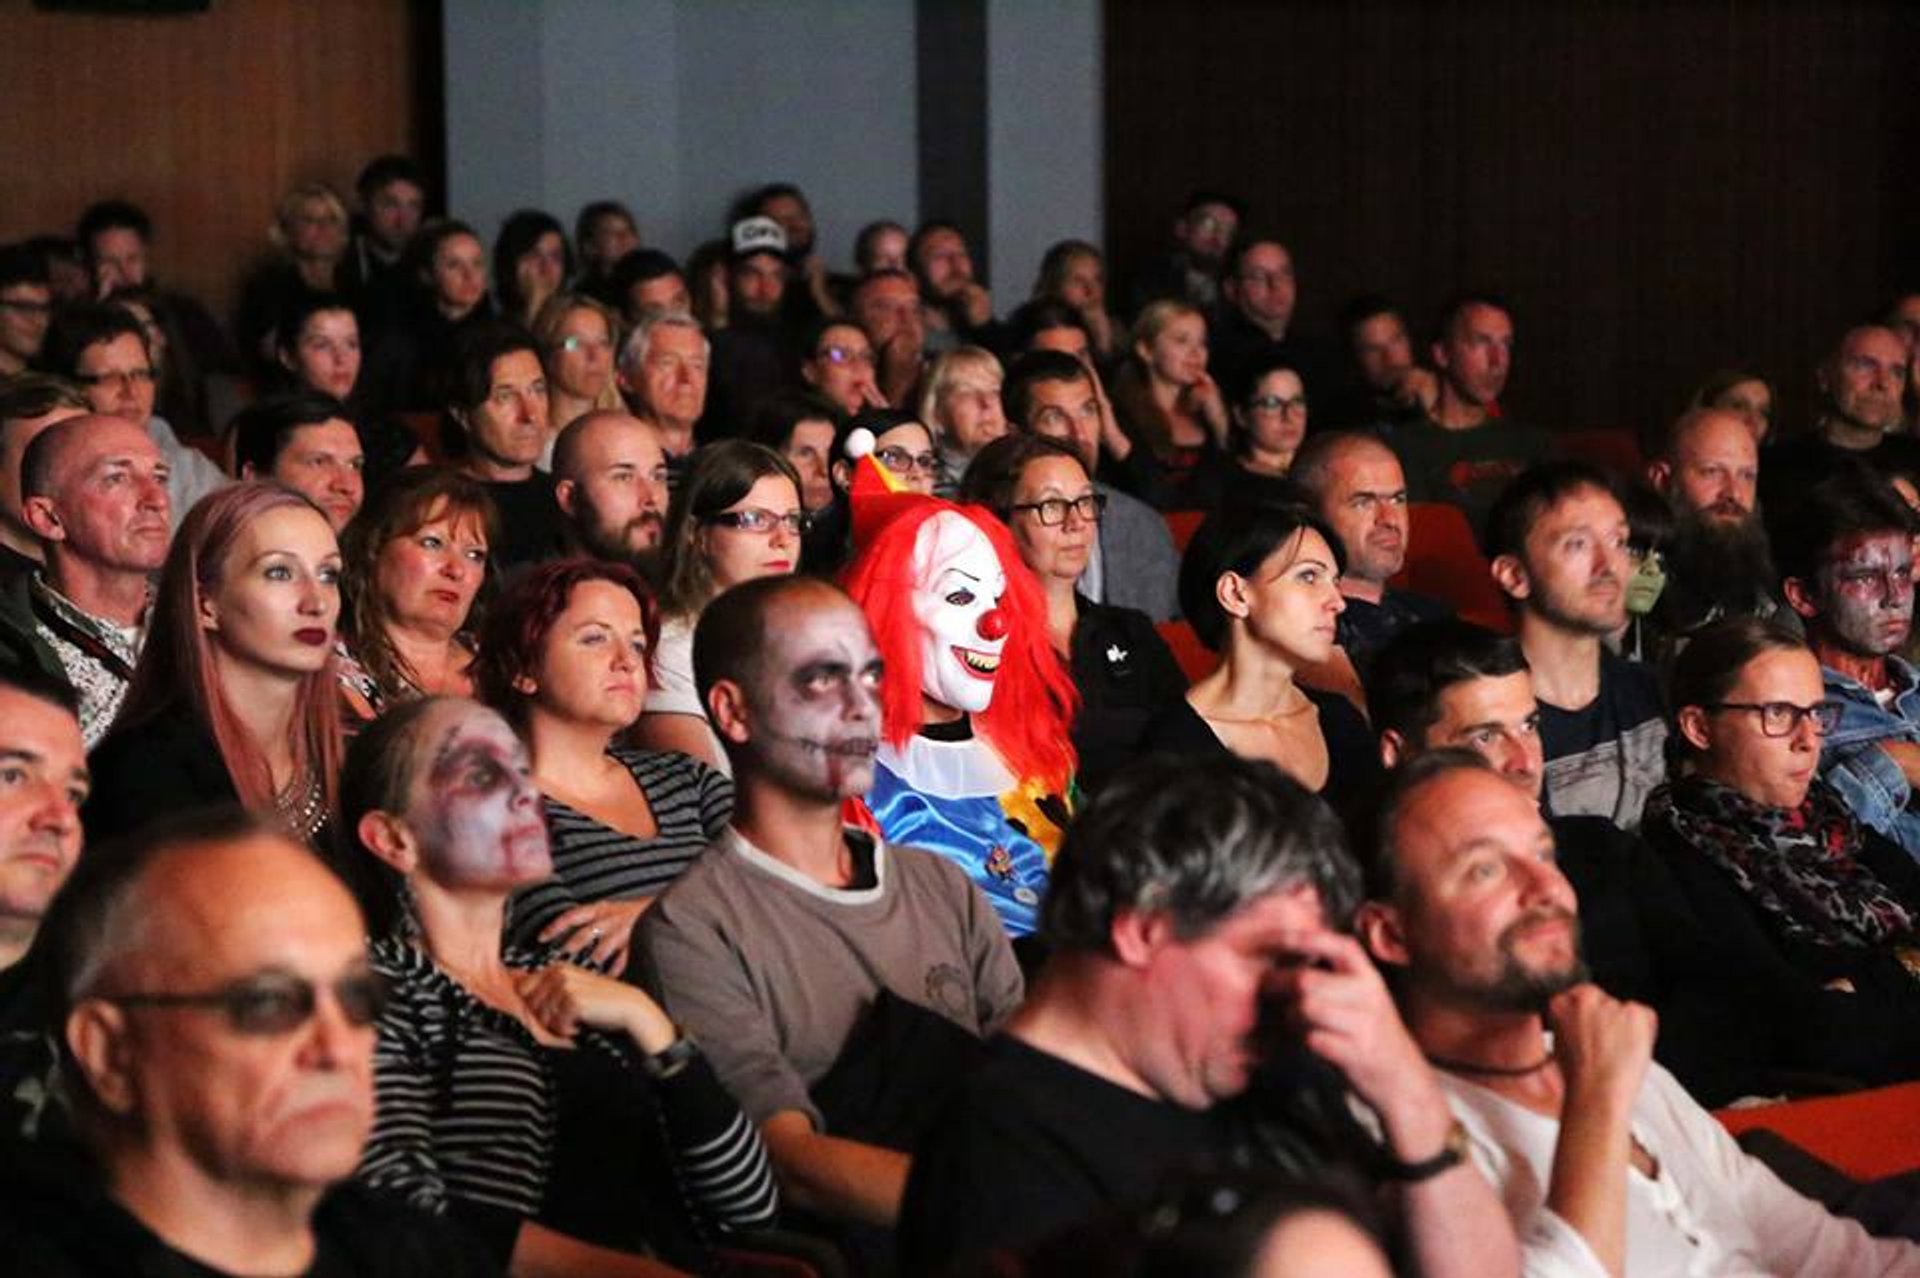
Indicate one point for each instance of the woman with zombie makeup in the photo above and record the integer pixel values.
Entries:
(1122, 668)
(977, 763)
(1262, 589)
(568, 649)
(234, 695)
(555, 1111)
(737, 515)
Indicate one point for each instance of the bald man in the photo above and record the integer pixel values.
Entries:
(1716, 562)
(1357, 486)
(94, 492)
(1862, 384)
(214, 1008)
(611, 482)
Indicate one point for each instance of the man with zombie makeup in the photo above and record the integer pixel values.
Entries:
(1846, 561)
(975, 761)
(797, 945)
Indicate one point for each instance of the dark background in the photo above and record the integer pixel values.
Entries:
(1660, 190)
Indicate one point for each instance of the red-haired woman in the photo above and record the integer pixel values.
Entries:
(234, 696)
(567, 661)
(976, 763)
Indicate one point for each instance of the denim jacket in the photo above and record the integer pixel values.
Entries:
(1852, 761)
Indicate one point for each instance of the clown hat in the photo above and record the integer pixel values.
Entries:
(875, 493)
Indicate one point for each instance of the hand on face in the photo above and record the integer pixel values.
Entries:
(1603, 1044)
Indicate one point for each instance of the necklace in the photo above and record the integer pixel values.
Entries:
(1491, 1071)
(302, 808)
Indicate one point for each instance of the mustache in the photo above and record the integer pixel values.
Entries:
(850, 747)
(1532, 918)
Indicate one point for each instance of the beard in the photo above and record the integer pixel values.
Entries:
(622, 545)
(1721, 564)
(1516, 986)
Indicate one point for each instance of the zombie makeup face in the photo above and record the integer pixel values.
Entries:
(816, 704)
(475, 808)
(1867, 593)
(958, 583)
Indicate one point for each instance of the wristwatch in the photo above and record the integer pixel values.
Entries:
(1451, 1155)
(672, 1058)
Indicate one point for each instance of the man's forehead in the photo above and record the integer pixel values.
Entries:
(1718, 435)
(241, 903)
(101, 450)
(1486, 699)
(31, 724)
(1882, 343)
(1369, 464)
(1583, 507)
(1462, 811)
(813, 626)
(1881, 546)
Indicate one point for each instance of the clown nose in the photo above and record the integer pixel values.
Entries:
(993, 624)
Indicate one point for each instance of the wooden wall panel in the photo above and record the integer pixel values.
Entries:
(1661, 189)
(206, 118)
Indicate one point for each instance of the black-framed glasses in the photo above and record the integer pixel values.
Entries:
(1278, 403)
(755, 520)
(902, 462)
(1782, 718)
(1053, 511)
(846, 355)
(275, 1003)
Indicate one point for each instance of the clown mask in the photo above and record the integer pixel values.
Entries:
(958, 583)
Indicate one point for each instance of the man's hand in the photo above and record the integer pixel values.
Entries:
(900, 361)
(1603, 1045)
(975, 303)
(599, 933)
(1417, 388)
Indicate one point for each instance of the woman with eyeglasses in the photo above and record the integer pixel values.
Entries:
(840, 365)
(568, 648)
(902, 444)
(1269, 421)
(735, 517)
(556, 1112)
(1747, 807)
(577, 336)
(1121, 666)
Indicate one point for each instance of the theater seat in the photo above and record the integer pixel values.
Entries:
(1611, 450)
(425, 428)
(1197, 661)
(1183, 524)
(1866, 1134)
(1444, 562)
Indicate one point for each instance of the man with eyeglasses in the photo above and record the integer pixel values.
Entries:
(26, 307)
(1355, 484)
(1734, 1019)
(1202, 236)
(213, 1007)
(662, 371)
(1845, 554)
(103, 349)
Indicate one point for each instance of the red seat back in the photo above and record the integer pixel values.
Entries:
(1611, 450)
(1183, 524)
(1197, 661)
(1444, 562)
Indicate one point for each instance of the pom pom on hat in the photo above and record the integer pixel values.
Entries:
(860, 443)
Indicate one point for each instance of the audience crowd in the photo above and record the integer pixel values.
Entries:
(549, 758)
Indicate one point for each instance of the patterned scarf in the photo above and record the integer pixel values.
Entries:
(1800, 865)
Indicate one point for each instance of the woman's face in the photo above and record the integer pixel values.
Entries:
(459, 274)
(907, 452)
(1774, 771)
(427, 578)
(1178, 353)
(1054, 551)
(326, 355)
(317, 231)
(971, 411)
(582, 357)
(1754, 402)
(474, 808)
(277, 599)
(593, 662)
(1293, 598)
(1275, 415)
(735, 554)
(539, 270)
(1083, 284)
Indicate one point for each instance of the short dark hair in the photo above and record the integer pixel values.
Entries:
(1200, 197)
(1531, 495)
(1407, 676)
(597, 211)
(1315, 457)
(474, 354)
(774, 422)
(21, 265)
(729, 640)
(26, 395)
(637, 267)
(1041, 315)
(1851, 503)
(31, 681)
(111, 215)
(1028, 370)
(301, 307)
(519, 235)
(994, 473)
(1360, 309)
(1454, 307)
(383, 171)
(264, 428)
(1195, 840)
(1239, 541)
(1379, 839)
(863, 242)
(916, 242)
(85, 324)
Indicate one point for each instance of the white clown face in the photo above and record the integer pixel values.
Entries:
(958, 583)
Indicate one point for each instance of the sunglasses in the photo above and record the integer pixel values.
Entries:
(272, 1003)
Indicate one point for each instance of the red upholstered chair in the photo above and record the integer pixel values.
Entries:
(1183, 524)
(1197, 661)
(425, 429)
(1444, 562)
(1611, 450)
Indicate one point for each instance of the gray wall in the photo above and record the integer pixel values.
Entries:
(677, 105)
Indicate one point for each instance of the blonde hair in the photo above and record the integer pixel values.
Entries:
(291, 203)
(946, 374)
(546, 334)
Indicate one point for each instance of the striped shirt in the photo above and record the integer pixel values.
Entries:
(475, 1118)
(594, 862)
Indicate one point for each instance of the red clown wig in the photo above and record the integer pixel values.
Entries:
(1033, 699)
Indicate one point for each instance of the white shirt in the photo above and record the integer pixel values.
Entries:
(672, 689)
(1710, 1211)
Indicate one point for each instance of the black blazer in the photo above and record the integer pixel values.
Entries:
(154, 769)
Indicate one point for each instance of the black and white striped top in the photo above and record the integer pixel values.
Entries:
(477, 1119)
(594, 862)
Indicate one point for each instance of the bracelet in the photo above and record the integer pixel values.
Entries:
(672, 1058)
(1452, 1153)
